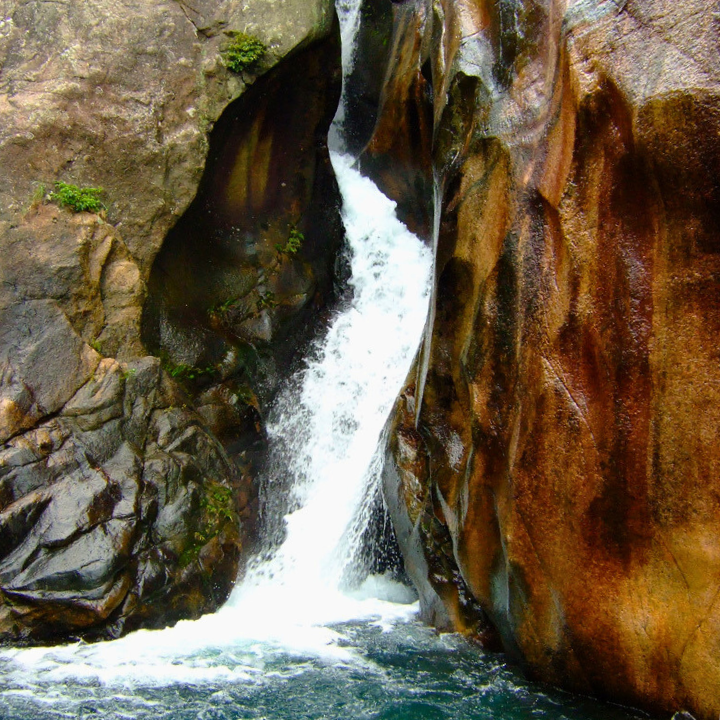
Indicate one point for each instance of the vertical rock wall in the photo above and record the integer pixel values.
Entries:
(119, 508)
(556, 454)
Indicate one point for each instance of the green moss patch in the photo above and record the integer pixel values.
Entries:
(243, 53)
(218, 509)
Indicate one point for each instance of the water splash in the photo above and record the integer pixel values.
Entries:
(324, 431)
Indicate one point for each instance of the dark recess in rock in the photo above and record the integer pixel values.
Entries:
(268, 172)
(365, 83)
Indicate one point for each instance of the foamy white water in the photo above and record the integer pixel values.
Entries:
(324, 434)
(325, 430)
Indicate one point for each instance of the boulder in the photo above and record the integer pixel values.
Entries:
(123, 479)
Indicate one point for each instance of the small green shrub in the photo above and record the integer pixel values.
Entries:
(76, 198)
(38, 195)
(221, 309)
(245, 396)
(218, 509)
(266, 301)
(218, 506)
(184, 373)
(243, 52)
(293, 244)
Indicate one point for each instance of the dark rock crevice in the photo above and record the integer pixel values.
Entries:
(218, 296)
(397, 156)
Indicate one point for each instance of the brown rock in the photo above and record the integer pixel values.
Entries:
(398, 155)
(568, 392)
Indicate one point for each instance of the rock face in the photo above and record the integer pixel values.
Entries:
(555, 458)
(399, 154)
(119, 508)
(220, 292)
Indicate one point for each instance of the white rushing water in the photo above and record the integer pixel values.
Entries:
(325, 430)
(324, 434)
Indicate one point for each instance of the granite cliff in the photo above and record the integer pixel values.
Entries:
(554, 460)
(121, 502)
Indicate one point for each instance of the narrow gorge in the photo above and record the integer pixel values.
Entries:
(360, 359)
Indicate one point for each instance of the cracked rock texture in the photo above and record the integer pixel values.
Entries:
(555, 460)
(103, 508)
(118, 507)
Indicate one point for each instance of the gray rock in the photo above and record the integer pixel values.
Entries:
(43, 362)
(86, 512)
(109, 482)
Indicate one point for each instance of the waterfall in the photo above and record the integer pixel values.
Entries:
(296, 639)
(325, 428)
(324, 432)
(348, 12)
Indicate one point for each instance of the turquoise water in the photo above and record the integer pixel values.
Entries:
(404, 673)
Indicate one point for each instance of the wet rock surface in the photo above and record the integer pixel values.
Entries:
(365, 81)
(111, 511)
(562, 422)
(398, 155)
(119, 506)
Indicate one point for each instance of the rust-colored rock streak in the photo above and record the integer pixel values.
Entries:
(568, 434)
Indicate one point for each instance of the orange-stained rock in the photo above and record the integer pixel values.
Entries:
(566, 428)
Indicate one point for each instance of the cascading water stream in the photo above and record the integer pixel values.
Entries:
(294, 640)
(349, 13)
(325, 428)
